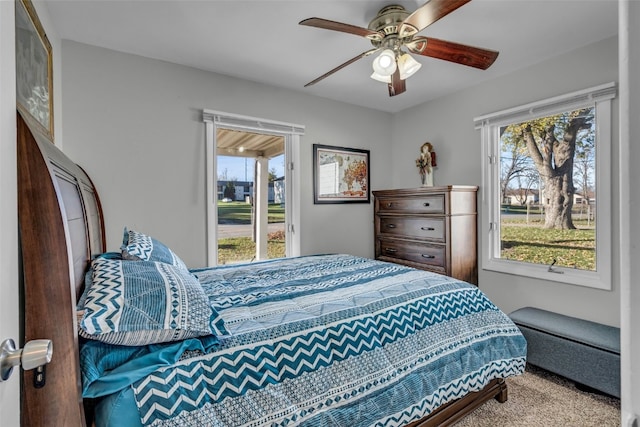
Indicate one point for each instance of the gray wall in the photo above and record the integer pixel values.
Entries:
(448, 124)
(135, 125)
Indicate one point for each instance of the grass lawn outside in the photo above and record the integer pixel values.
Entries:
(243, 249)
(531, 243)
(240, 213)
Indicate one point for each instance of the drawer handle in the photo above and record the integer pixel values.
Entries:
(391, 250)
(389, 204)
(428, 256)
(426, 204)
(391, 226)
(427, 228)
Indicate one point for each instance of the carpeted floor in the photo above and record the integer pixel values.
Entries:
(539, 398)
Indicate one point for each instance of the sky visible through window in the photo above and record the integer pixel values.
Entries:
(241, 168)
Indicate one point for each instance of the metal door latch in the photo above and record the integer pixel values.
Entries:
(35, 354)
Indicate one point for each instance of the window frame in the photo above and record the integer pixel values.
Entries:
(599, 97)
(292, 134)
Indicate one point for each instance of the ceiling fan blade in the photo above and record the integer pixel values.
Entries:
(449, 51)
(344, 28)
(341, 66)
(397, 85)
(427, 14)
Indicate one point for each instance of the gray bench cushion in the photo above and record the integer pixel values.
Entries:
(578, 330)
(583, 351)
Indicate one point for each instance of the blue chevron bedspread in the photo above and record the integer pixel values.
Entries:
(327, 340)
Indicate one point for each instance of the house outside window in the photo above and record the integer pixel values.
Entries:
(546, 207)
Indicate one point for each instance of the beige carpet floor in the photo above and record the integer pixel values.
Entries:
(539, 398)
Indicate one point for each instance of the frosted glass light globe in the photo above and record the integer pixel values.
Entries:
(385, 63)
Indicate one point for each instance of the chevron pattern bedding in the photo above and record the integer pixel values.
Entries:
(144, 302)
(329, 340)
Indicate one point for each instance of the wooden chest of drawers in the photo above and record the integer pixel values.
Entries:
(431, 228)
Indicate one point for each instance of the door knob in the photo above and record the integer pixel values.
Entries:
(35, 353)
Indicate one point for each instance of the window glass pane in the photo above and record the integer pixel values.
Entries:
(547, 174)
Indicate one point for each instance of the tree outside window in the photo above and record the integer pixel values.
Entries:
(546, 166)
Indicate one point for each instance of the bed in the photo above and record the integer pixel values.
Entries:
(320, 340)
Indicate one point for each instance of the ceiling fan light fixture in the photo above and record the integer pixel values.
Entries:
(395, 29)
(408, 66)
(381, 78)
(385, 63)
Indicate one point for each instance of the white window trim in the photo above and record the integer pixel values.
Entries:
(489, 125)
(291, 133)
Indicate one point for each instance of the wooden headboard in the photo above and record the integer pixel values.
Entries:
(61, 227)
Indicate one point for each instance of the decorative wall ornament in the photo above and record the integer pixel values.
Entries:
(425, 163)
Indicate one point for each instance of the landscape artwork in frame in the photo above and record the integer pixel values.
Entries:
(34, 67)
(340, 175)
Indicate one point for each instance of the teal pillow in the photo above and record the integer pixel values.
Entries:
(139, 246)
(143, 302)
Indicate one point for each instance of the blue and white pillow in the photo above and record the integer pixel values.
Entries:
(143, 302)
(88, 278)
(139, 246)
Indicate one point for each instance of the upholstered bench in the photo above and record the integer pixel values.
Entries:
(583, 351)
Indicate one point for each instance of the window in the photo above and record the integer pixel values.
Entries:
(216, 121)
(546, 204)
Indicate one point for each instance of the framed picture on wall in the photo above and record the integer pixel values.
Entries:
(340, 175)
(34, 68)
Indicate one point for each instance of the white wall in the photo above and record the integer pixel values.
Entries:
(135, 125)
(631, 328)
(630, 226)
(9, 283)
(448, 124)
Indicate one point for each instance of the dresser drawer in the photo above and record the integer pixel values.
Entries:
(426, 204)
(430, 228)
(414, 227)
(415, 252)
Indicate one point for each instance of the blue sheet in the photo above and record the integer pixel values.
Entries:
(108, 368)
(318, 341)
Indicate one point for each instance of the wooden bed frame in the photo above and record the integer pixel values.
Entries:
(61, 227)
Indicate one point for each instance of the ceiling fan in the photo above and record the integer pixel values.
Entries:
(393, 30)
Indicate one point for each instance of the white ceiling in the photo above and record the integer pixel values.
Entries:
(261, 40)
